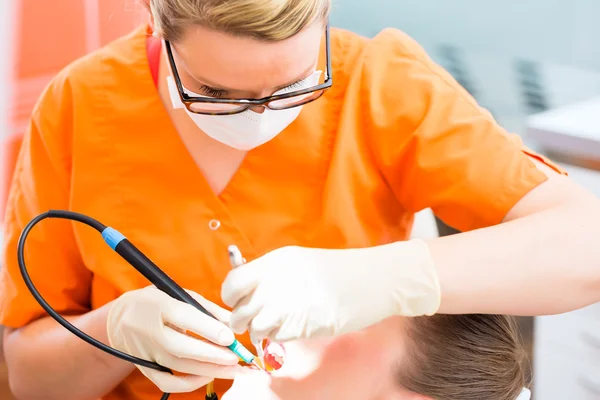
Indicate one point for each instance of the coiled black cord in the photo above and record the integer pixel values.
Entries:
(73, 216)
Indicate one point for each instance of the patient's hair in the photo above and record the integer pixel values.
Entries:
(268, 20)
(464, 357)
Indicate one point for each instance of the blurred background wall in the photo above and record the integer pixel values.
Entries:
(39, 38)
(499, 50)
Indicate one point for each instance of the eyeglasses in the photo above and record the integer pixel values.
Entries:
(221, 106)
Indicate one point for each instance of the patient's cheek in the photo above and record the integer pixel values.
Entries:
(354, 349)
(364, 360)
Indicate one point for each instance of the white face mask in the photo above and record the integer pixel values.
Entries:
(246, 130)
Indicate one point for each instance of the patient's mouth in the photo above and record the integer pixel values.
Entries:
(274, 356)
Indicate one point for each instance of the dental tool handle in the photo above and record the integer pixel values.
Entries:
(151, 271)
(236, 260)
(162, 281)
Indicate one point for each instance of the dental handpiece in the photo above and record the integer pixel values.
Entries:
(163, 282)
(236, 259)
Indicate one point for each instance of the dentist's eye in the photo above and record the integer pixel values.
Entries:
(294, 85)
(208, 91)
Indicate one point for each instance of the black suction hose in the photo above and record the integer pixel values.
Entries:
(73, 216)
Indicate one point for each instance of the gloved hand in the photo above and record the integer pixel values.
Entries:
(151, 325)
(298, 292)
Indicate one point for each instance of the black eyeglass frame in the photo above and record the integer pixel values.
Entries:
(245, 104)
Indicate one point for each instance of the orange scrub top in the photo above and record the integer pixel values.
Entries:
(394, 135)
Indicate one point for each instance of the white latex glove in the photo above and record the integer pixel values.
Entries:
(298, 292)
(151, 325)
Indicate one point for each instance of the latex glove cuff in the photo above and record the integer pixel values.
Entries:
(411, 276)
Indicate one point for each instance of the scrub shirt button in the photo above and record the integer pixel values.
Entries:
(214, 224)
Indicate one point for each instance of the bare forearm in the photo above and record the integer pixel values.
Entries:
(48, 362)
(545, 263)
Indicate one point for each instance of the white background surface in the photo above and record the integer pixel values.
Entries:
(6, 50)
(575, 120)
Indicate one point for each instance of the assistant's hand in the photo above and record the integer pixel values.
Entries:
(298, 292)
(149, 324)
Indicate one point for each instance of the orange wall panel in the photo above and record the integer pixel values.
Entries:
(50, 34)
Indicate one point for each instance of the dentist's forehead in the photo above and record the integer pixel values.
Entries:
(246, 64)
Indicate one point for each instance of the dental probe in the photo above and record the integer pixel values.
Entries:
(236, 259)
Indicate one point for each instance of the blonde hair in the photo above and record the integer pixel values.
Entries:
(465, 357)
(268, 20)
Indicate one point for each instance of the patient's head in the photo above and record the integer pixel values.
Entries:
(463, 357)
(444, 357)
